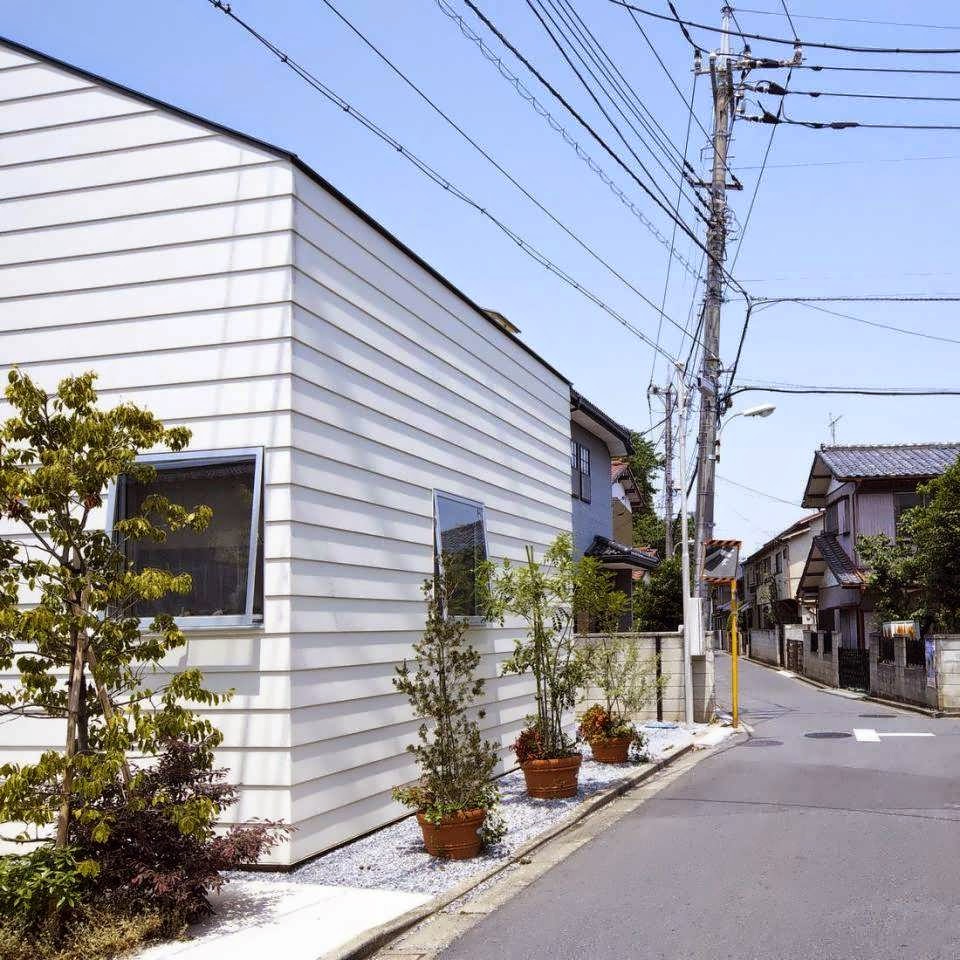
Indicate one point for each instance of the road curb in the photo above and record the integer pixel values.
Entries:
(367, 943)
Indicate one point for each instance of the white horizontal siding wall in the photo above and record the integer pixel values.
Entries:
(210, 281)
(399, 389)
(158, 252)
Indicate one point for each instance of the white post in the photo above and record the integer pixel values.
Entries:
(688, 627)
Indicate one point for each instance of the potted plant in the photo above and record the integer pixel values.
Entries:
(454, 797)
(618, 678)
(542, 594)
(626, 682)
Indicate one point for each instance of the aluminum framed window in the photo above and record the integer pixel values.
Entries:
(580, 486)
(225, 560)
(460, 545)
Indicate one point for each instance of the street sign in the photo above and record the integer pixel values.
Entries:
(720, 561)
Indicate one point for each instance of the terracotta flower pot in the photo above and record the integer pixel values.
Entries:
(614, 750)
(456, 837)
(552, 779)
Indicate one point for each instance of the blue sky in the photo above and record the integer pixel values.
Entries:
(861, 220)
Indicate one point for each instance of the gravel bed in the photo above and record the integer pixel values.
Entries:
(394, 858)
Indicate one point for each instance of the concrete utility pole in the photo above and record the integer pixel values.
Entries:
(667, 396)
(723, 108)
(683, 403)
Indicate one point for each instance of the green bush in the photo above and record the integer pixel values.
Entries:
(39, 886)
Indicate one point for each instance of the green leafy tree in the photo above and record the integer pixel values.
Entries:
(58, 454)
(934, 529)
(545, 594)
(917, 576)
(658, 600)
(456, 763)
(892, 576)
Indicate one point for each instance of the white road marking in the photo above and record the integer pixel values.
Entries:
(872, 736)
(786, 673)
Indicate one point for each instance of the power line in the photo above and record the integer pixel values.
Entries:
(852, 391)
(861, 20)
(869, 298)
(673, 82)
(532, 4)
(558, 127)
(918, 70)
(840, 163)
(673, 237)
(433, 175)
(791, 43)
(589, 128)
(875, 323)
(793, 29)
(759, 493)
(502, 170)
(589, 41)
(769, 87)
(767, 117)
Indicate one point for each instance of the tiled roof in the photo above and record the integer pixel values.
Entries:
(610, 551)
(889, 460)
(848, 574)
(617, 469)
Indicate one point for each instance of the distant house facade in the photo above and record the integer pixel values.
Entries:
(355, 416)
(862, 490)
(602, 510)
(771, 580)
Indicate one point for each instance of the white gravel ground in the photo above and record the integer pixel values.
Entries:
(394, 858)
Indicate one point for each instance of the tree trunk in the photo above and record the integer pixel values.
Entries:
(74, 688)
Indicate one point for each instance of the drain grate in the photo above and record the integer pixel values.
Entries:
(879, 716)
(764, 742)
(828, 735)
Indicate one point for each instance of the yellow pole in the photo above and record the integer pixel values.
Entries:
(734, 644)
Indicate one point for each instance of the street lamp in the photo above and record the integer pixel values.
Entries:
(763, 410)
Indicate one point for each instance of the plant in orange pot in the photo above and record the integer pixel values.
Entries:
(621, 683)
(542, 594)
(454, 797)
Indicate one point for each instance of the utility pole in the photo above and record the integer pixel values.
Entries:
(667, 395)
(683, 403)
(721, 81)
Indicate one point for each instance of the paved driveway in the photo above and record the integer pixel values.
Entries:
(781, 846)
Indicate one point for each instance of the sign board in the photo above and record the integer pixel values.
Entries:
(901, 628)
(693, 626)
(721, 559)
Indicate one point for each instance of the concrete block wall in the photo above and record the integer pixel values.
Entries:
(897, 681)
(765, 646)
(948, 672)
(671, 665)
(818, 665)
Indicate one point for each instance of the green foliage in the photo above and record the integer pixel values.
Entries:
(456, 763)
(892, 576)
(137, 835)
(645, 463)
(917, 577)
(934, 527)
(658, 600)
(545, 595)
(36, 887)
(768, 593)
(57, 456)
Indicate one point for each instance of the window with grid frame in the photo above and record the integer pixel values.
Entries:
(580, 485)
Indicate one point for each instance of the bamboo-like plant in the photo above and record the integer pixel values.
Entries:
(456, 763)
(544, 594)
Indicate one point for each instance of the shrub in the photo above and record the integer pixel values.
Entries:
(160, 846)
(456, 763)
(36, 887)
(658, 601)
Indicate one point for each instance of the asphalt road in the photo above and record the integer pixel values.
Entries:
(778, 847)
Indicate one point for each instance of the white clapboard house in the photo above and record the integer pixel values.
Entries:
(349, 407)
